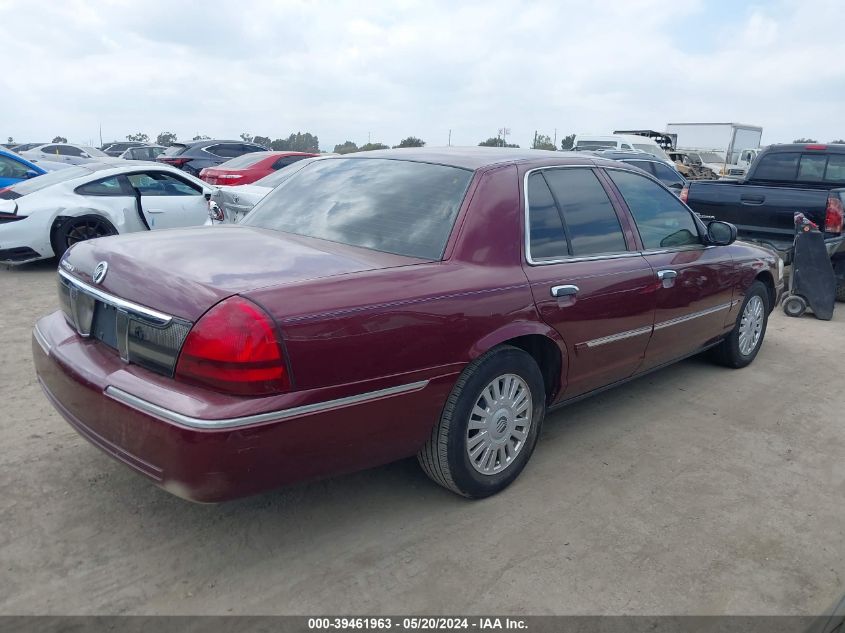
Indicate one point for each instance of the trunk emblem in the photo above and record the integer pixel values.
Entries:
(100, 272)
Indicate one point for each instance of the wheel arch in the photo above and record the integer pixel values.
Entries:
(766, 278)
(542, 342)
(63, 217)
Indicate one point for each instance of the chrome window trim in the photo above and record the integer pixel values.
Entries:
(144, 406)
(527, 226)
(621, 336)
(136, 310)
(694, 315)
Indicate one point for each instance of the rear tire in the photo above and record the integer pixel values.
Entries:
(489, 425)
(73, 230)
(740, 347)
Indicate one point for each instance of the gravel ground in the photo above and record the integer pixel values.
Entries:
(695, 490)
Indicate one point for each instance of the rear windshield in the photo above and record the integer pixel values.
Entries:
(92, 151)
(40, 182)
(654, 150)
(711, 157)
(247, 160)
(595, 144)
(173, 150)
(280, 175)
(393, 206)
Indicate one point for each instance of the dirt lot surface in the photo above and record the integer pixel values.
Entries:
(696, 490)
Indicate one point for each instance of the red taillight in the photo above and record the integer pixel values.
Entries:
(233, 348)
(815, 147)
(684, 194)
(176, 162)
(834, 216)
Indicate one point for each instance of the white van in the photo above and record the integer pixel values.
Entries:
(620, 142)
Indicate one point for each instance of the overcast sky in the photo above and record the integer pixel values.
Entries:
(346, 70)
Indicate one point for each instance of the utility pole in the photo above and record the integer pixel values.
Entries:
(555, 138)
(101, 134)
(450, 138)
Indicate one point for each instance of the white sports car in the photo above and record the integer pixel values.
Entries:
(44, 216)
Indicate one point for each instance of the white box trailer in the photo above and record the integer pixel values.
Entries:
(728, 138)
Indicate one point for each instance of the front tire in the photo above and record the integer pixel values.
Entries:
(740, 348)
(489, 426)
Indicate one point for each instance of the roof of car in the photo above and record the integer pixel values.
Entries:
(472, 157)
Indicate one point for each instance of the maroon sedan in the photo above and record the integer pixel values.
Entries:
(410, 302)
(248, 168)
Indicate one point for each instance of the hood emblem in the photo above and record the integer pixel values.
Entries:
(100, 272)
(236, 199)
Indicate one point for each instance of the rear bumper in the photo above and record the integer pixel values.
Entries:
(209, 459)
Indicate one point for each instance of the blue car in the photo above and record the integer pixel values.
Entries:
(14, 168)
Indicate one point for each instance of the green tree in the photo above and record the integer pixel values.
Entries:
(10, 141)
(246, 137)
(411, 141)
(347, 147)
(805, 140)
(59, 139)
(262, 140)
(839, 141)
(139, 137)
(368, 147)
(198, 137)
(543, 141)
(496, 141)
(299, 142)
(568, 142)
(166, 138)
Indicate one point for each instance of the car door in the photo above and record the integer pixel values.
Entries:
(694, 281)
(588, 280)
(169, 201)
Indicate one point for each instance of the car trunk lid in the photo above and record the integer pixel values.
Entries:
(182, 272)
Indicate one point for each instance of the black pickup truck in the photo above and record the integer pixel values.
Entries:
(782, 180)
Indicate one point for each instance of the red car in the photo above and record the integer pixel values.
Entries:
(395, 303)
(248, 168)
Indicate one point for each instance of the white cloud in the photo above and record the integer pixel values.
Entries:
(342, 70)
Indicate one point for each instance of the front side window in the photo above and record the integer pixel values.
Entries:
(68, 150)
(10, 168)
(666, 174)
(589, 219)
(394, 206)
(156, 183)
(663, 221)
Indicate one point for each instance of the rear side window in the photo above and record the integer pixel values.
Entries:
(666, 174)
(69, 150)
(589, 219)
(105, 187)
(781, 166)
(545, 227)
(663, 221)
(284, 161)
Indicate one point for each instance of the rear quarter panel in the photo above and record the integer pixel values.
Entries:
(419, 320)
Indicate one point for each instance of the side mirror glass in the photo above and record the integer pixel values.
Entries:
(31, 174)
(721, 233)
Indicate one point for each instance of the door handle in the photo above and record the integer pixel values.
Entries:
(752, 199)
(667, 277)
(564, 291)
(155, 210)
